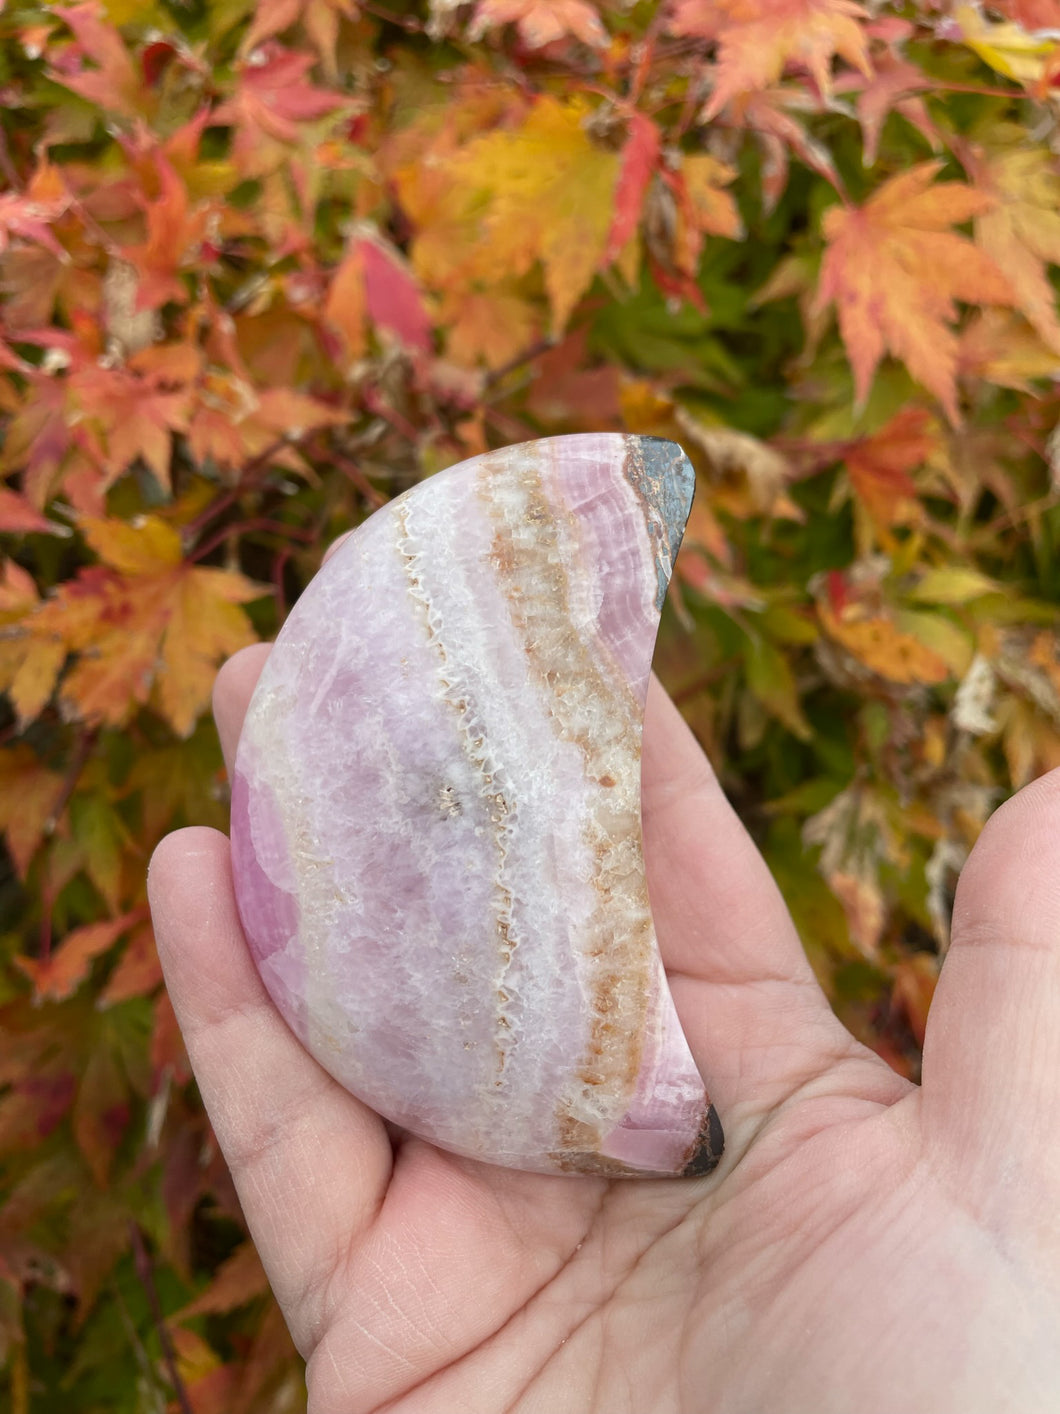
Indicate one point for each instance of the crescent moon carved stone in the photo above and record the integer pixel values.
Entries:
(436, 834)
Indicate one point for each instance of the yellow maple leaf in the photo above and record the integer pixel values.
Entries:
(1007, 48)
(1020, 232)
(550, 193)
(895, 271)
(758, 39)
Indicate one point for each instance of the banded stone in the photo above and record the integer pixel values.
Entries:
(436, 832)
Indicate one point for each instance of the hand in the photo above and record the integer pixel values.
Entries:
(866, 1247)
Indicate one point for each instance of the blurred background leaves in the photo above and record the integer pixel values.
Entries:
(262, 266)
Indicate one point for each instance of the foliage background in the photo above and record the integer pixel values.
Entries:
(263, 266)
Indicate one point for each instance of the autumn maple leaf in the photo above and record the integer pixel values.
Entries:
(550, 193)
(880, 466)
(174, 233)
(145, 623)
(895, 271)
(1020, 231)
(372, 285)
(318, 18)
(113, 82)
(541, 22)
(272, 103)
(759, 39)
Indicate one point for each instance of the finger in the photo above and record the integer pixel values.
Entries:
(232, 691)
(991, 1073)
(758, 1023)
(309, 1161)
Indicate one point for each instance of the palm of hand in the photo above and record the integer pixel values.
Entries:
(865, 1247)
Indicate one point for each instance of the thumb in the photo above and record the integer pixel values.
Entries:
(991, 1079)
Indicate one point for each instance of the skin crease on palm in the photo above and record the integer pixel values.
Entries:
(866, 1246)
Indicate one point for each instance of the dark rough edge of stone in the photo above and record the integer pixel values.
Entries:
(662, 476)
(709, 1147)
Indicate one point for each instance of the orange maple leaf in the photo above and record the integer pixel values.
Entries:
(174, 234)
(144, 625)
(703, 207)
(541, 22)
(59, 975)
(759, 39)
(895, 271)
(879, 466)
(129, 417)
(29, 794)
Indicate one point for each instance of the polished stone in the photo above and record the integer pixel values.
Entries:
(436, 814)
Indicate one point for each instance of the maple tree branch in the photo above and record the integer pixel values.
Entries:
(248, 473)
(85, 747)
(6, 164)
(405, 22)
(647, 53)
(357, 476)
(397, 420)
(244, 527)
(532, 351)
(145, 1273)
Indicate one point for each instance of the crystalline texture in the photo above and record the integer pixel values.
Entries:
(436, 814)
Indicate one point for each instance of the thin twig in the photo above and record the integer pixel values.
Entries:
(534, 350)
(248, 473)
(358, 478)
(70, 780)
(6, 165)
(145, 1273)
(245, 527)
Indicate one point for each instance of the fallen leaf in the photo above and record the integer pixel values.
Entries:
(895, 271)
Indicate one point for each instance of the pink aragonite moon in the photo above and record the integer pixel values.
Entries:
(436, 835)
